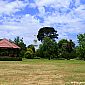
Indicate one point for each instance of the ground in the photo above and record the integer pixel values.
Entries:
(42, 72)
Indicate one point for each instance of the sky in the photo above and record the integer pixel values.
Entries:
(24, 18)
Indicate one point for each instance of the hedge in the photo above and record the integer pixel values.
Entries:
(11, 59)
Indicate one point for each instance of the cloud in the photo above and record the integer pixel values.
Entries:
(26, 28)
(12, 7)
(67, 17)
(52, 3)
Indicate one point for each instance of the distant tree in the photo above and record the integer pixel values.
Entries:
(70, 49)
(81, 39)
(29, 53)
(62, 44)
(66, 49)
(32, 47)
(81, 47)
(47, 32)
(48, 48)
(70, 46)
(79, 53)
(39, 51)
(21, 44)
(17, 40)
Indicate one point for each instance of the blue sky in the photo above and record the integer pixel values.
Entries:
(25, 17)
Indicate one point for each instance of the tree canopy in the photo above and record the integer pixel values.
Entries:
(66, 48)
(81, 47)
(47, 32)
(48, 48)
(18, 41)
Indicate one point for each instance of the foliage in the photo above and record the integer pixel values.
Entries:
(70, 46)
(81, 39)
(10, 59)
(39, 52)
(62, 43)
(47, 32)
(81, 47)
(66, 49)
(48, 48)
(21, 44)
(29, 53)
(32, 47)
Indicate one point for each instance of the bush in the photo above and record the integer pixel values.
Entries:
(11, 59)
(29, 54)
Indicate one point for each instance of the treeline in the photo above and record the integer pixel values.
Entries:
(50, 48)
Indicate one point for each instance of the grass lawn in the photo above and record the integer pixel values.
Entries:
(42, 72)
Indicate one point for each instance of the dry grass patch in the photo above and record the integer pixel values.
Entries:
(41, 72)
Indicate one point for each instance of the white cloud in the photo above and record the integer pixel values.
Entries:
(81, 11)
(26, 28)
(12, 7)
(77, 3)
(41, 11)
(54, 3)
(27, 25)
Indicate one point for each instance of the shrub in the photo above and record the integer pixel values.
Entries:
(29, 54)
(11, 59)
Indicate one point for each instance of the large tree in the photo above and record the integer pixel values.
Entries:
(70, 46)
(62, 44)
(81, 47)
(48, 48)
(30, 53)
(47, 32)
(66, 48)
(18, 41)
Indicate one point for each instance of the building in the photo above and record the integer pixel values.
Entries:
(8, 49)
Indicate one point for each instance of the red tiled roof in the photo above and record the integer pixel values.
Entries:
(4, 43)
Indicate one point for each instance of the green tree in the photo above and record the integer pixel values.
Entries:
(48, 48)
(39, 52)
(29, 53)
(70, 46)
(81, 47)
(66, 49)
(71, 49)
(47, 32)
(62, 44)
(78, 52)
(21, 44)
(32, 47)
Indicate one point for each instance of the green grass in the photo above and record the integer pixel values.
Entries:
(42, 72)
